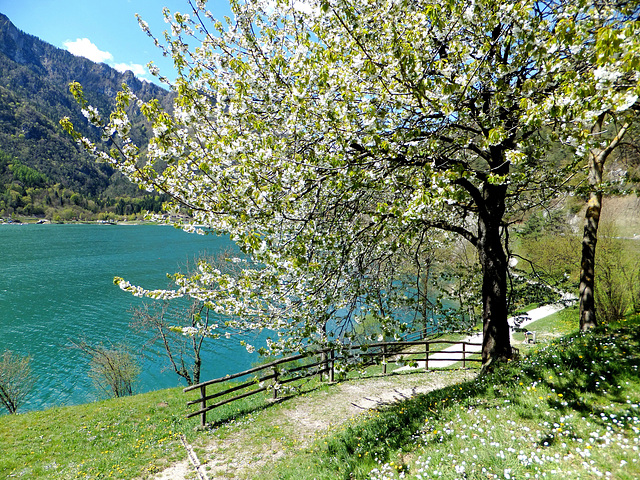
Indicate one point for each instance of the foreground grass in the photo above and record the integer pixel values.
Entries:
(130, 437)
(121, 438)
(569, 410)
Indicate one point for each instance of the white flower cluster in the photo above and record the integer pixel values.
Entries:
(328, 142)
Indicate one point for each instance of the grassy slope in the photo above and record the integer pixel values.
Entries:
(569, 410)
(128, 437)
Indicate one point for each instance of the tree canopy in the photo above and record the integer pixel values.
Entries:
(331, 138)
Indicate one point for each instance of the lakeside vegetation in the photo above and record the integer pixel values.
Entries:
(568, 408)
(26, 193)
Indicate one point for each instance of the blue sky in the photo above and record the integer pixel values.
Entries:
(103, 30)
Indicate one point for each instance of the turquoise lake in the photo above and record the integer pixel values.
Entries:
(56, 285)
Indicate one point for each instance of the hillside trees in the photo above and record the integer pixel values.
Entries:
(34, 79)
(330, 138)
(27, 191)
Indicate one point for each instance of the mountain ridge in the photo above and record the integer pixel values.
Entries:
(34, 96)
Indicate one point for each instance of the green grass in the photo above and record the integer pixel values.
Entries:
(129, 437)
(558, 324)
(119, 438)
(570, 410)
(567, 410)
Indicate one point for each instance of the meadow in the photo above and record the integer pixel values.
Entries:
(569, 408)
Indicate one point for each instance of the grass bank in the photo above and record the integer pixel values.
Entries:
(569, 409)
(129, 437)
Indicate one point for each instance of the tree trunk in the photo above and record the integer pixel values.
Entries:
(197, 364)
(587, 264)
(496, 341)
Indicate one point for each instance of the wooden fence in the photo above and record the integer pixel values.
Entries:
(273, 375)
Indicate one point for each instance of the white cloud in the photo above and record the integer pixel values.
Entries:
(137, 69)
(82, 47)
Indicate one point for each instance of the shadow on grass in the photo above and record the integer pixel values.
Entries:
(585, 367)
(580, 372)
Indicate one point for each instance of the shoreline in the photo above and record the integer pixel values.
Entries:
(80, 222)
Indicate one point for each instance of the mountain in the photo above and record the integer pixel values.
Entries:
(34, 96)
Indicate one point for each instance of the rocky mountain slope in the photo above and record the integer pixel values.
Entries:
(34, 96)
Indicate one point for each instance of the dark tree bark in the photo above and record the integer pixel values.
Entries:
(496, 341)
(490, 201)
(597, 158)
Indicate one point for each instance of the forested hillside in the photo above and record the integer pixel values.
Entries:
(41, 167)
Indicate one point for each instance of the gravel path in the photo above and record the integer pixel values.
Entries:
(235, 451)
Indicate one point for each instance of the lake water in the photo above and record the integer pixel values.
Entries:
(56, 284)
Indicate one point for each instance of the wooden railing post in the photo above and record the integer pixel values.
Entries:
(331, 371)
(384, 359)
(464, 354)
(203, 405)
(426, 358)
(275, 382)
(325, 365)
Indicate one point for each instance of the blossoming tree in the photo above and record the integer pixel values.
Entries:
(329, 138)
(601, 101)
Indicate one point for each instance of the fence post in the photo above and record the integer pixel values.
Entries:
(203, 405)
(426, 358)
(464, 354)
(325, 365)
(384, 359)
(331, 371)
(275, 382)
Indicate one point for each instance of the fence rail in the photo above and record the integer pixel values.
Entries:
(322, 363)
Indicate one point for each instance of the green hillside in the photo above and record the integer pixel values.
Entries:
(39, 162)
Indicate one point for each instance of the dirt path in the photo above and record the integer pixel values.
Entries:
(238, 449)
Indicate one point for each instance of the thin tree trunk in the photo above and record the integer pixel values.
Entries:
(597, 158)
(197, 365)
(587, 264)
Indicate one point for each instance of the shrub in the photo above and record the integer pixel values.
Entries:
(113, 369)
(16, 380)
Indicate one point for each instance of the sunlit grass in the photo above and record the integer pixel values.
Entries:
(569, 410)
(129, 437)
(118, 438)
(552, 326)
